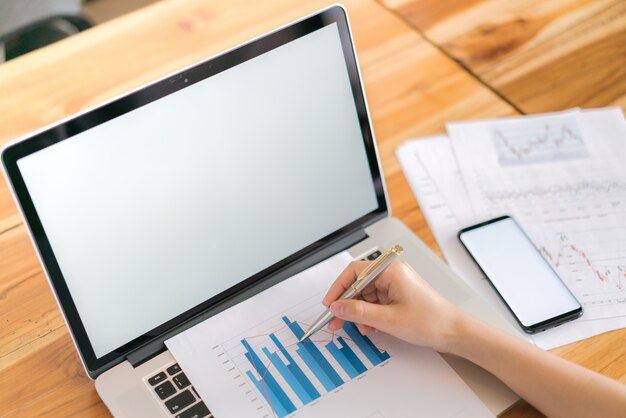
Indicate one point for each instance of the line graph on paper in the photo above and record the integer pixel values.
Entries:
(534, 141)
(595, 195)
(281, 375)
(578, 199)
(593, 265)
(575, 190)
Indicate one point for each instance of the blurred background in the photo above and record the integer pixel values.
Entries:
(26, 25)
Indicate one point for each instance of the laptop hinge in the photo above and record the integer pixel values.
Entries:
(153, 348)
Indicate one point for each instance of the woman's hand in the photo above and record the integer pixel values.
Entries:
(399, 302)
(402, 304)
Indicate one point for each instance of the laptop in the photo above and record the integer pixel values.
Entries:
(182, 198)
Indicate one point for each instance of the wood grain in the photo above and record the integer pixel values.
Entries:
(412, 87)
(540, 55)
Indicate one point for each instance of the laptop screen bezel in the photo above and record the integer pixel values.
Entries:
(198, 72)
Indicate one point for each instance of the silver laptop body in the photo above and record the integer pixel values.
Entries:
(167, 205)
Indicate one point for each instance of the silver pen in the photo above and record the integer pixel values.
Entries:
(366, 277)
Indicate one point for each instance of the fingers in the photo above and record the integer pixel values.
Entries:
(336, 324)
(371, 296)
(348, 276)
(344, 281)
(395, 271)
(382, 297)
(364, 329)
(363, 313)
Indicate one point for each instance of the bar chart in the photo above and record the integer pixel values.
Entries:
(351, 356)
(248, 361)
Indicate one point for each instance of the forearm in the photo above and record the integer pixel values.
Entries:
(554, 386)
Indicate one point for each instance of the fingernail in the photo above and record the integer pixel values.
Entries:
(337, 309)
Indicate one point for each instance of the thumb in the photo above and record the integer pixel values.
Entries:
(361, 312)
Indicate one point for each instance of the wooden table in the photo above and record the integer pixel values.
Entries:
(424, 62)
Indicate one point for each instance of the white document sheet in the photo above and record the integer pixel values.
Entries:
(431, 168)
(544, 168)
(563, 177)
(246, 361)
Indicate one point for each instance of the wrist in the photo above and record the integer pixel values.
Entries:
(460, 333)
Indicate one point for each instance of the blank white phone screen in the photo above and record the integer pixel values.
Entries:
(517, 270)
(166, 206)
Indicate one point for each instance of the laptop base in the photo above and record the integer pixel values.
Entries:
(125, 392)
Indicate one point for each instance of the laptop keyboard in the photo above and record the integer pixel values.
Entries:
(174, 390)
(176, 394)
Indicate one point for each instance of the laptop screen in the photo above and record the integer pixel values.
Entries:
(166, 206)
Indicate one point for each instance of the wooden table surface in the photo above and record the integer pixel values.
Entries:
(424, 62)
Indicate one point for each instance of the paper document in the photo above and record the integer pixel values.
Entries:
(431, 170)
(561, 177)
(247, 361)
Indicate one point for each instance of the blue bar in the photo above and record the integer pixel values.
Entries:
(277, 407)
(316, 369)
(278, 397)
(317, 356)
(352, 358)
(342, 360)
(288, 376)
(296, 370)
(365, 344)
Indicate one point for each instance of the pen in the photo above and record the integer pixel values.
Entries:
(366, 277)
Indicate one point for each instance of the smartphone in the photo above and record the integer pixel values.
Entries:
(526, 282)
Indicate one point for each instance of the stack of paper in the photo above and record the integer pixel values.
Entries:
(562, 176)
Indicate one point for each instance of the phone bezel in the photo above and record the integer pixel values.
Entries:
(540, 326)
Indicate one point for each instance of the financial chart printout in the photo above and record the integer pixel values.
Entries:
(559, 166)
(248, 361)
(562, 177)
(571, 203)
(538, 140)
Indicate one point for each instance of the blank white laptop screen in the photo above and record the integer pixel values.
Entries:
(160, 209)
